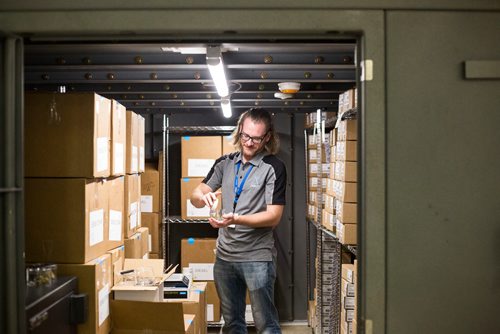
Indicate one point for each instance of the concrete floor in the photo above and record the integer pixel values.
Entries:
(286, 328)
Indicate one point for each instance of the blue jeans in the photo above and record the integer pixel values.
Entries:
(232, 280)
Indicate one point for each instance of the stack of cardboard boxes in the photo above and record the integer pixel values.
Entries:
(344, 185)
(151, 202)
(81, 192)
(348, 311)
(198, 255)
(318, 169)
(198, 155)
(332, 181)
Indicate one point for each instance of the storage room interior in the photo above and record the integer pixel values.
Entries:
(169, 85)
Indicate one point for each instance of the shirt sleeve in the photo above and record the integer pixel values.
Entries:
(214, 176)
(276, 183)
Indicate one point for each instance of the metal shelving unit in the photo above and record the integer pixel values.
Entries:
(328, 249)
(167, 218)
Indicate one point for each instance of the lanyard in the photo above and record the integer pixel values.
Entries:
(239, 188)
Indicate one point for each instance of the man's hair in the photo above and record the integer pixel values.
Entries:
(258, 115)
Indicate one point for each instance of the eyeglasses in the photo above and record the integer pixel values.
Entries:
(255, 140)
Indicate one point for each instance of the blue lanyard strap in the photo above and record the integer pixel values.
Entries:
(239, 188)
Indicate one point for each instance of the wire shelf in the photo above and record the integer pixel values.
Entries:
(178, 220)
(350, 248)
(200, 129)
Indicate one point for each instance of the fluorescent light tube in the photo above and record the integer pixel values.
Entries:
(216, 68)
(226, 108)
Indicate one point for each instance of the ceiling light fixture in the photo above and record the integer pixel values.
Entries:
(226, 107)
(216, 68)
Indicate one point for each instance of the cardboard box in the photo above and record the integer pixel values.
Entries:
(213, 303)
(118, 138)
(199, 255)
(347, 213)
(347, 233)
(347, 130)
(150, 317)
(348, 289)
(345, 191)
(117, 259)
(227, 145)
(132, 204)
(346, 151)
(116, 203)
(94, 279)
(155, 256)
(348, 272)
(313, 155)
(198, 154)
(150, 189)
(67, 135)
(346, 171)
(136, 247)
(329, 201)
(311, 313)
(328, 220)
(188, 210)
(195, 304)
(66, 220)
(131, 148)
(331, 175)
(137, 292)
(140, 139)
(314, 183)
(152, 222)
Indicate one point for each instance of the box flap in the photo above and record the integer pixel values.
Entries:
(155, 264)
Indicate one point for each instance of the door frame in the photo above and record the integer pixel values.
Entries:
(205, 24)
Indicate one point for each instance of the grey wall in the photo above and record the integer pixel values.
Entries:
(443, 183)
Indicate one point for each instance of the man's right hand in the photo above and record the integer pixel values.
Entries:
(210, 198)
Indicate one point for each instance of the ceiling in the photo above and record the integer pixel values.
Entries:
(151, 78)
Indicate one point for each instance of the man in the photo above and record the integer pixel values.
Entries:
(252, 183)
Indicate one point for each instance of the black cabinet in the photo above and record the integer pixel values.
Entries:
(55, 308)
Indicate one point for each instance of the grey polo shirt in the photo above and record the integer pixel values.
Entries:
(265, 185)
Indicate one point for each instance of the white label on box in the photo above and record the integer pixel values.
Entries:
(193, 211)
(103, 304)
(115, 225)
(141, 158)
(133, 216)
(349, 315)
(349, 303)
(202, 271)
(118, 162)
(135, 158)
(147, 203)
(210, 312)
(248, 313)
(199, 167)
(102, 154)
(96, 228)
